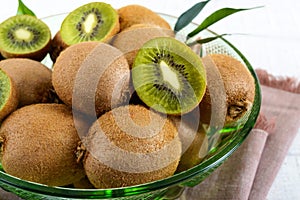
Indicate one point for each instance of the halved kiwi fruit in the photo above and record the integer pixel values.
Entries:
(38, 143)
(24, 36)
(8, 95)
(131, 145)
(168, 76)
(96, 21)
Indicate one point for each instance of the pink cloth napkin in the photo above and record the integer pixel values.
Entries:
(251, 170)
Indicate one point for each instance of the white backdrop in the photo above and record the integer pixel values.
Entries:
(272, 42)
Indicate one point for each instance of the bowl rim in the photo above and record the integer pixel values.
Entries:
(158, 185)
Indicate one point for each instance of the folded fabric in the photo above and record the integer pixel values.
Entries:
(251, 170)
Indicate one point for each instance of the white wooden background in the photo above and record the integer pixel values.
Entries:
(271, 42)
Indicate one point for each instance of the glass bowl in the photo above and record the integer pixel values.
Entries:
(168, 188)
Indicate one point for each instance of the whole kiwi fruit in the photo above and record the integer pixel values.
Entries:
(24, 36)
(92, 77)
(130, 145)
(168, 76)
(130, 40)
(137, 14)
(8, 95)
(238, 86)
(32, 78)
(38, 143)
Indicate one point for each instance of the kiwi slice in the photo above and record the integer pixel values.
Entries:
(24, 36)
(8, 95)
(168, 76)
(95, 21)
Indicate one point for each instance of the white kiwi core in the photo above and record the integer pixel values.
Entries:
(89, 23)
(169, 75)
(23, 34)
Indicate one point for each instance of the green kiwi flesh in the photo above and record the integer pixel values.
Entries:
(95, 21)
(168, 76)
(24, 36)
(8, 97)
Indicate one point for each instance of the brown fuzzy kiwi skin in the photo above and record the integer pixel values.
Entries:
(37, 55)
(38, 144)
(130, 40)
(57, 46)
(69, 62)
(83, 183)
(32, 79)
(239, 88)
(196, 152)
(136, 14)
(103, 176)
(12, 101)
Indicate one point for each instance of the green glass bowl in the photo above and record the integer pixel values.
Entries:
(169, 188)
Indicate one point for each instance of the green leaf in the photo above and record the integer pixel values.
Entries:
(24, 10)
(188, 16)
(215, 17)
(206, 40)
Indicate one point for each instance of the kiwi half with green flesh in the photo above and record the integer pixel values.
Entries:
(168, 76)
(91, 83)
(96, 21)
(39, 143)
(137, 14)
(239, 91)
(24, 36)
(131, 145)
(8, 95)
(33, 79)
(132, 39)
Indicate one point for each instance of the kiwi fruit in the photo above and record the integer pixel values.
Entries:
(57, 46)
(238, 94)
(83, 183)
(131, 145)
(137, 14)
(195, 152)
(24, 36)
(130, 40)
(168, 76)
(32, 78)
(92, 77)
(38, 143)
(8, 95)
(96, 21)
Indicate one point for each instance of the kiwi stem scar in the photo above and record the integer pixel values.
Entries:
(89, 23)
(169, 75)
